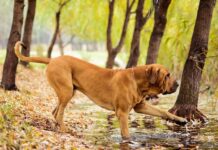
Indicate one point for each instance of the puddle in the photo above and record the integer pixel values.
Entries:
(150, 132)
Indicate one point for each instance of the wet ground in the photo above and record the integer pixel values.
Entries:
(151, 132)
(28, 122)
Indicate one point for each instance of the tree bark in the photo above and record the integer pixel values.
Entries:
(112, 52)
(111, 59)
(187, 100)
(57, 18)
(10, 64)
(140, 21)
(158, 30)
(27, 36)
(135, 46)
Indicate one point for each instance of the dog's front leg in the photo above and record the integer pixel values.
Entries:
(123, 120)
(146, 108)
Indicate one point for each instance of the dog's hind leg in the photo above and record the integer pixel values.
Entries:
(54, 112)
(64, 89)
(64, 97)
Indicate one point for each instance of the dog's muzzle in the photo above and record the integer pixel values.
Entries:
(173, 89)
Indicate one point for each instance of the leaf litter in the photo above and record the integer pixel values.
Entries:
(26, 121)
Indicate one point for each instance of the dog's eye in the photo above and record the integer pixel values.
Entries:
(168, 75)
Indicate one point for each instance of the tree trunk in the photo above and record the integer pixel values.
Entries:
(187, 100)
(10, 64)
(27, 36)
(50, 48)
(135, 45)
(109, 25)
(110, 59)
(57, 27)
(140, 21)
(112, 52)
(158, 30)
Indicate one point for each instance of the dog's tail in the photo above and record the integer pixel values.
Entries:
(17, 47)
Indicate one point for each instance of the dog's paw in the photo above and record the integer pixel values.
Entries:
(63, 129)
(182, 122)
(126, 140)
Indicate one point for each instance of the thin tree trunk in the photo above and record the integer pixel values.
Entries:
(187, 100)
(140, 21)
(135, 46)
(110, 59)
(61, 4)
(50, 48)
(109, 25)
(27, 36)
(112, 52)
(10, 64)
(158, 30)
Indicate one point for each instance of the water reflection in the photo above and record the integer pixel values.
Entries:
(151, 133)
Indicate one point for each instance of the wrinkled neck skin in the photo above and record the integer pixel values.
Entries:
(139, 76)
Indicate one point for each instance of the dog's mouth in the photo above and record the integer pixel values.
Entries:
(153, 99)
(172, 89)
(165, 93)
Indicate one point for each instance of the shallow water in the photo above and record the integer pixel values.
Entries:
(151, 132)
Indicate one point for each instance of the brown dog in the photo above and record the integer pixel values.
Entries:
(116, 90)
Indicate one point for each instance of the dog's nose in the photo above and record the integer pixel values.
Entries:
(176, 84)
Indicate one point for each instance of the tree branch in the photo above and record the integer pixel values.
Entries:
(125, 25)
(147, 16)
(131, 4)
(109, 25)
(61, 5)
(69, 41)
(133, 12)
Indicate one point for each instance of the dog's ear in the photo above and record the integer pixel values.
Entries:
(153, 74)
(164, 77)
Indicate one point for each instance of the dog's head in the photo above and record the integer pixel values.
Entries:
(159, 80)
